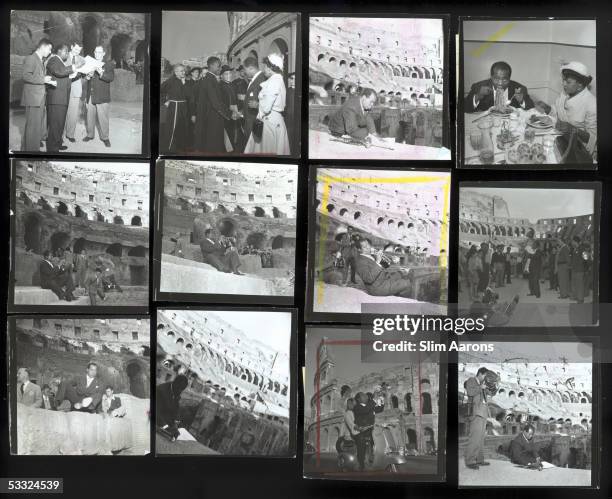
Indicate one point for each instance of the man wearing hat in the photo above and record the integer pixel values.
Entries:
(575, 110)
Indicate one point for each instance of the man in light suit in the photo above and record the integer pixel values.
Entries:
(97, 96)
(479, 412)
(33, 95)
(86, 393)
(251, 105)
(28, 393)
(76, 91)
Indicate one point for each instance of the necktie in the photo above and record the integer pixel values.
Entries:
(22, 389)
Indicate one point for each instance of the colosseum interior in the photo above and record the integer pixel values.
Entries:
(555, 397)
(401, 59)
(410, 423)
(255, 204)
(125, 40)
(404, 217)
(57, 347)
(212, 352)
(486, 217)
(81, 207)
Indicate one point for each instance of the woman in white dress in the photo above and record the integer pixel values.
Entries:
(272, 97)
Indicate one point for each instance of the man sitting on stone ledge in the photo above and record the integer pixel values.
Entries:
(221, 257)
(53, 277)
(354, 119)
(380, 281)
(85, 393)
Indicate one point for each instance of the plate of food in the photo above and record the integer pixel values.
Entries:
(502, 111)
(540, 122)
(526, 154)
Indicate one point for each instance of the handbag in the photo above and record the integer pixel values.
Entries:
(258, 130)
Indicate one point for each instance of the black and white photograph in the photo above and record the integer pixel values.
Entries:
(370, 421)
(80, 235)
(527, 415)
(80, 386)
(231, 84)
(377, 88)
(377, 237)
(79, 82)
(529, 263)
(224, 383)
(528, 93)
(227, 231)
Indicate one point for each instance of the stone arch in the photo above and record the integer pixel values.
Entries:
(343, 212)
(394, 402)
(119, 46)
(276, 213)
(99, 217)
(226, 227)
(356, 215)
(256, 239)
(117, 220)
(258, 211)
(278, 242)
(32, 232)
(429, 440)
(136, 221)
(114, 249)
(222, 209)
(62, 208)
(59, 240)
(92, 33)
(426, 407)
(329, 208)
(79, 213)
(79, 245)
(138, 379)
(253, 54)
(412, 438)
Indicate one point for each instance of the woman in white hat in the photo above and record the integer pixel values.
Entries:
(575, 110)
(272, 97)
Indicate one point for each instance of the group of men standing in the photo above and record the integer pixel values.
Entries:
(209, 111)
(54, 91)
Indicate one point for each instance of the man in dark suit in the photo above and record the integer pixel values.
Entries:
(58, 97)
(251, 104)
(380, 281)
(34, 94)
(353, 118)
(562, 266)
(96, 94)
(349, 253)
(28, 393)
(48, 398)
(86, 392)
(479, 412)
(216, 254)
(95, 287)
(522, 448)
(365, 411)
(49, 276)
(535, 270)
(209, 113)
(499, 90)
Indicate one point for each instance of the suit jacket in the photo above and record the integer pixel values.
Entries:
(352, 120)
(52, 404)
(477, 398)
(94, 390)
(97, 88)
(34, 88)
(522, 451)
(563, 256)
(240, 86)
(367, 269)
(252, 94)
(60, 72)
(211, 247)
(365, 415)
(210, 115)
(31, 396)
(488, 101)
(48, 274)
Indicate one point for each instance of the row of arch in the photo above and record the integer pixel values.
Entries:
(405, 71)
(255, 211)
(559, 396)
(231, 367)
(94, 215)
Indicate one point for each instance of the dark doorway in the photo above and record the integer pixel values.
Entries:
(412, 438)
(136, 221)
(259, 212)
(118, 220)
(278, 242)
(91, 35)
(62, 209)
(78, 212)
(227, 227)
(256, 239)
(138, 251)
(276, 213)
(138, 275)
(425, 403)
(59, 240)
(120, 43)
(79, 245)
(138, 380)
(31, 236)
(114, 249)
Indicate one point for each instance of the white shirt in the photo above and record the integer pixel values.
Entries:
(89, 380)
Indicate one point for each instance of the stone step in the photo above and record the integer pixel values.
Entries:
(179, 275)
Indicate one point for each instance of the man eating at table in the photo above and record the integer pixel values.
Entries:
(498, 91)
